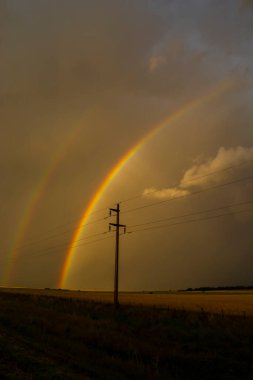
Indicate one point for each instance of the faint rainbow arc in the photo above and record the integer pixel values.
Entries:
(222, 87)
(33, 201)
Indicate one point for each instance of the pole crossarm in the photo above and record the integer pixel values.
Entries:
(116, 210)
(117, 225)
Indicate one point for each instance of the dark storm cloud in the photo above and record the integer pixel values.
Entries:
(80, 47)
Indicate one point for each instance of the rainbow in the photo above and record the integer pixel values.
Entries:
(33, 200)
(222, 87)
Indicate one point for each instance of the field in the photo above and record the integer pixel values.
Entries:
(57, 334)
(226, 302)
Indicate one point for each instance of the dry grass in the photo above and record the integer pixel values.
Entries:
(62, 335)
(228, 302)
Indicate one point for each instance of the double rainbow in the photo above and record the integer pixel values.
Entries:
(222, 87)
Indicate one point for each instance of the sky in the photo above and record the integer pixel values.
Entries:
(148, 101)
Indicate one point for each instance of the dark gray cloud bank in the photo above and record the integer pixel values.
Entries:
(116, 68)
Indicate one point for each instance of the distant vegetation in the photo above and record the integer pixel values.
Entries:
(210, 288)
(48, 337)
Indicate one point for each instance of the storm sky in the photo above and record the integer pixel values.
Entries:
(81, 83)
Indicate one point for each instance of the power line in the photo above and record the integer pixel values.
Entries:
(190, 221)
(141, 207)
(188, 195)
(151, 228)
(74, 226)
(190, 214)
(155, 204)
(65, 232)
(158, 221)
(50, 249)
(75, 246)
(73, 220)
(77, 220)
(68, 244)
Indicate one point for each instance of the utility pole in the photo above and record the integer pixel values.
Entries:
(117, 225)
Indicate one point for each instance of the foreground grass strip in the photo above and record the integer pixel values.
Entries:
(44, 337)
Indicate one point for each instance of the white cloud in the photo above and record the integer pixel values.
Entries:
(199, 175)
(169, 193)
(213, 170)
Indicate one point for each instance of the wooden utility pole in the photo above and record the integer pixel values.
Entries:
(117, 225)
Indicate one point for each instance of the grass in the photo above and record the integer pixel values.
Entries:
(49, 337)
(234, 302)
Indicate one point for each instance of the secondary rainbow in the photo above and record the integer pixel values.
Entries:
(33, 201)
(222, 87)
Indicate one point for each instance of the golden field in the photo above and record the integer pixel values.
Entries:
(227, 302)
(72, 335)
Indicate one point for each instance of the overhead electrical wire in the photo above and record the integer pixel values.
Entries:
(51, 248)
(191, 214)
(190, 221)
(74, 246)
(160, 202)
(65, 231)
(66, 244)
